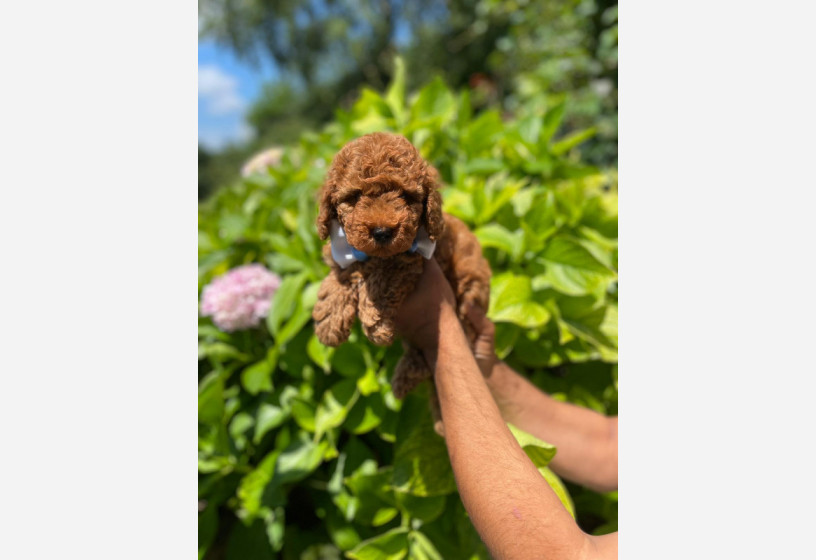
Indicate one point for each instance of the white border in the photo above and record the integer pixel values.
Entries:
(98, 229)
(717, 187)
(97, 222)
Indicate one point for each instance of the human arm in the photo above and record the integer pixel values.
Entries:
(512, 507)
(587, 441)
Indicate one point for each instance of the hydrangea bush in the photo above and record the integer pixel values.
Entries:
(240, 298)
(303, 450)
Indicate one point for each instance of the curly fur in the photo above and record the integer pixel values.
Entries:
(380, 182)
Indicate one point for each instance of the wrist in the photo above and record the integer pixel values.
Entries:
(444, 328)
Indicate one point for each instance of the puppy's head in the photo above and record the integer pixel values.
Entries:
(381, 191)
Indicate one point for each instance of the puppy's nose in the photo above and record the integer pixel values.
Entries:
(382, 234)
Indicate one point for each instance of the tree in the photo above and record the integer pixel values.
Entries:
(506, 53)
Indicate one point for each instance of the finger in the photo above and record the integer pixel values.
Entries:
(483, 346)
(476, 316)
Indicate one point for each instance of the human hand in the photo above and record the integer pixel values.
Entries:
(419, 317)
(483, 349)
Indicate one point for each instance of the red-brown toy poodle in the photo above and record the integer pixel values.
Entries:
(381, 208)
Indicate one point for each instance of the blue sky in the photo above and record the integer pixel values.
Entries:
(226, 88)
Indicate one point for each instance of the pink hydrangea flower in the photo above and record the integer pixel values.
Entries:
(240, 298)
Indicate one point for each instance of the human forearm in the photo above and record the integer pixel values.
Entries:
(587, 441)
(512, 507)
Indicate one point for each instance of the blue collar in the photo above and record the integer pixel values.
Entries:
(344, 254)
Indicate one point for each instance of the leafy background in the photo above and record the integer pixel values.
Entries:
(507, 53)
(303, 450)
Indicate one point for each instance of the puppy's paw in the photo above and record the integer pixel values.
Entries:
(323, 307)
(381, 334)
(329, 333)
(409, 372)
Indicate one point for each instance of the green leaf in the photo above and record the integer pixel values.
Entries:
(598, 327)
(368, 383)
(298, 460)
(211, 399)
(251, 487)
(210, 331)
(495, 235)
(392, 545)
(334, 405)
(258, 376)
(530, 130)
(559, 489)
(249, 542)
(213, 464)
(303, 412)
(421, 548)
(371, 113)
(348, 360)
(418, 507)
(421, 464)
(569, 252)
(383, 516)
(377, 504)
(483, 166)
(480, 135)
(207, 528)
(572, 140)
(274, 522)
(509, 289)
(435, 101)
(539, 452)
(511, 302)
(366, 414)
(523, 201)
(356, 457)
(528, 314)
(301, 315)
(387, 429)
(342, 533)
(395, 96)
(460, 204)
(501, 192)
(572, 270)
(453, 535)
(320, 354)
(269, 417)
(240, 423)
(505, 338)
(284, 301)
(552, 120)
(232, 226)
(220, 352)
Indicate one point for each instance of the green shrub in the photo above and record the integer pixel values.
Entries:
(303, 449)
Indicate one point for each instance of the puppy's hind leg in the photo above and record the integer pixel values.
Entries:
(410, 371)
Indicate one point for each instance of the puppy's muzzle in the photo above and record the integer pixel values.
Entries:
(382, 235)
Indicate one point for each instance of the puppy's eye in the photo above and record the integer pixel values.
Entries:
(352, 198)
(408, 197)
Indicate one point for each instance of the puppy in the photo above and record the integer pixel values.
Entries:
(381, 207)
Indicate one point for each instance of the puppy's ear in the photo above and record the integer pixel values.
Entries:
(326, 209)
(434, 222)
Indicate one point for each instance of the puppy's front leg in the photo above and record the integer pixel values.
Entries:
(335, 308)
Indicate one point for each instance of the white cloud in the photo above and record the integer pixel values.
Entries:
(215, 139)
(219, 91)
